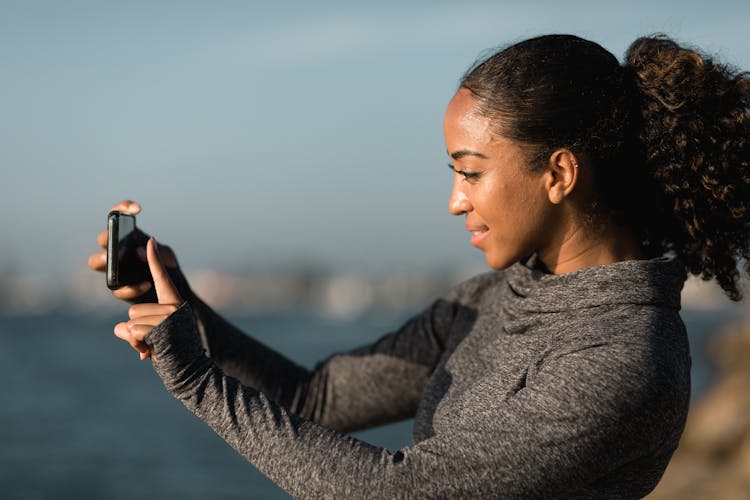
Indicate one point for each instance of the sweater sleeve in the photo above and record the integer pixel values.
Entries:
(369, 386)
(553, 438)
(238, 354)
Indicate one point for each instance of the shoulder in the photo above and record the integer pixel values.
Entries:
(638, 337)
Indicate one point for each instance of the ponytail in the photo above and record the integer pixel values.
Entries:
(695, 135)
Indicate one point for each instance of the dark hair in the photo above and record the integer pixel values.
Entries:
(666, 134)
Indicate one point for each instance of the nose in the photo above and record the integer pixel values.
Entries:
(459, 202)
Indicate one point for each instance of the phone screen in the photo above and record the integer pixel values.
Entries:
(124, 267)
(125, 229)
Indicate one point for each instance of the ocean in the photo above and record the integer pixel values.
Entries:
(84, 418)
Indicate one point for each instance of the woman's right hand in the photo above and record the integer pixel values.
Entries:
(98, 261)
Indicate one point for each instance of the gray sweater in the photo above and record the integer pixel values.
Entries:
(522, 384)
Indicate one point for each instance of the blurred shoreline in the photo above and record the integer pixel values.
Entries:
(329, 292)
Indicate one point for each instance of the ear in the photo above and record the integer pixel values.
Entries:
(562, 175)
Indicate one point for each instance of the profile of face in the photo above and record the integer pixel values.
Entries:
(507, 206)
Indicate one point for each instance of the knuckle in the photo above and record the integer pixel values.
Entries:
(135, 332)
(134, 311)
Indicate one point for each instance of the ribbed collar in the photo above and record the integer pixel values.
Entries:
(656, 281)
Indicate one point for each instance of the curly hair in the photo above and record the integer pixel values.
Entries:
(670, 125)
(696, 133)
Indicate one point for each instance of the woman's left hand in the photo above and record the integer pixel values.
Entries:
(144, 317)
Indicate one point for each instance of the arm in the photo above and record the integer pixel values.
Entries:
(587, 413)
(372, 385)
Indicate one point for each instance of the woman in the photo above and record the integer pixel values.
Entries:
(593, 188)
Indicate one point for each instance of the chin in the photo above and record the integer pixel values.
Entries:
(500, 262)
(502, 257)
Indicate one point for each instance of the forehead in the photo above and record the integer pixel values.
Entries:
(464, 124)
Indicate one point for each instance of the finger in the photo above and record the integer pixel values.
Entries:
(138, 332)
(165, 289)
(141, 310)
(128, 207)
(150, 321)
(136, 335)
(168, 257)
(124, 332)
(98, 261)
(101, 239)
(131, 292)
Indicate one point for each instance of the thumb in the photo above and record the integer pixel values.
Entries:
(166, 293)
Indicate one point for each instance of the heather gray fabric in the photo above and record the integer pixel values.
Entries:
(522, 385)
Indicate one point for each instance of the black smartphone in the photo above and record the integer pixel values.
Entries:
(124, 267)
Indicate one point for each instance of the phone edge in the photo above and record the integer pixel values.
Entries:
(113, 219)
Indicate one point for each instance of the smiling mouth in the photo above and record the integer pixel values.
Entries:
(478, 234)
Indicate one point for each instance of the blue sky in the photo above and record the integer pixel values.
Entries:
(266, 132)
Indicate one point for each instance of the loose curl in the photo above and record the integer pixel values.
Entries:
(670, 125)
(695, 133)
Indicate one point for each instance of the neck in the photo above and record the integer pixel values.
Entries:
(580, 248)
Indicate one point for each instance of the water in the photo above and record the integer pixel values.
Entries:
(84, 418)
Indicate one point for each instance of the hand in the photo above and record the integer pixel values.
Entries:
(98, 261)
(144, 317)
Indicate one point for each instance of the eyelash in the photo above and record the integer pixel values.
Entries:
(468, 176)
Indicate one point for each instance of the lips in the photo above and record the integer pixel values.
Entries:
(477, 233)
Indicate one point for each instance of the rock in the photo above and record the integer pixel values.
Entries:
(713, 459)
(719, 420)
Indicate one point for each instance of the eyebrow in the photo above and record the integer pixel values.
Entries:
(457, 155)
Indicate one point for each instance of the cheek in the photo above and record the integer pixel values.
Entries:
(503, 204)
(517, 220)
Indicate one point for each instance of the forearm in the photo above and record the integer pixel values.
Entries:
(375, 384)
(288, 449)
(251, 362)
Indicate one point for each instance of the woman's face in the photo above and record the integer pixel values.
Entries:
(507, 207)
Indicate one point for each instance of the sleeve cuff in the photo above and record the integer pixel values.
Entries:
(175, 342)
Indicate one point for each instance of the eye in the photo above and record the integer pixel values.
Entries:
(468, 176)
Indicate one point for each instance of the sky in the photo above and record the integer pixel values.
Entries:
(266, 133)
